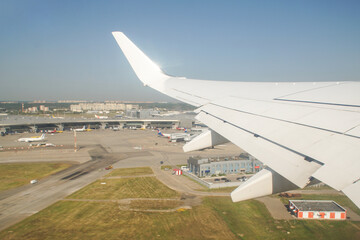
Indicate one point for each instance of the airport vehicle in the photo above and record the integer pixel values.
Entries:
(32, 139)
(115, 128)
(109, 167)
(101, 117)
(42, 145)
(33, 181)
(241, 179)
(300, 130)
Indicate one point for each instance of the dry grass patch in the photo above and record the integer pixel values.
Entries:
(18, 174)
(141, 187)
(89, 220)
(130, 172)
(154, 204)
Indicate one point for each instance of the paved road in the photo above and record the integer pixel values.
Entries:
(17, 205)
(180, 183)
(276, 208)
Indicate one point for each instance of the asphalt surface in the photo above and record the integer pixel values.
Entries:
(32, 198)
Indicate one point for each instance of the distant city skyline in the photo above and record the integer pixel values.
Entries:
(53, 50)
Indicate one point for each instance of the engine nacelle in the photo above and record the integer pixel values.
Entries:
(205, 140)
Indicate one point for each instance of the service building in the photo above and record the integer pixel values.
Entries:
(317, 209)
(226, 165)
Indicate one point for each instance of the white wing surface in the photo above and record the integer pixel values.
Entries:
(299, 130)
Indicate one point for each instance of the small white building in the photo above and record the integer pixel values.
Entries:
(317, 209)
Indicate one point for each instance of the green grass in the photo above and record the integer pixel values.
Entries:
(130, 172)
(141, 187)
(251, 220)
(18, 174)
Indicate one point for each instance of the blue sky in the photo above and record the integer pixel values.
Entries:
(59, 49)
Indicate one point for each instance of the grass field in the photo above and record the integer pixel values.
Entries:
(89, 220)
(141, 187)
(18, 174)
(215, 218)
(130, 172)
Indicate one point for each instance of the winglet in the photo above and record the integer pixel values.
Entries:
(145, 69)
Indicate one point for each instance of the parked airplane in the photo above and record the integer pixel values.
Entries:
(163, 134)
(181, 128)
(176, 137)
(32, 139)
(83, 129)
(57, 117)
(101, 117)
(300, 130)
(55, 131)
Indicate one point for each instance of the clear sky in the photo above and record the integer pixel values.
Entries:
(63, 49)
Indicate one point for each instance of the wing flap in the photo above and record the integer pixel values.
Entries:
(287, 163)
(305, 141)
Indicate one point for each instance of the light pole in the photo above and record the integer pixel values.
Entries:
(75, 148)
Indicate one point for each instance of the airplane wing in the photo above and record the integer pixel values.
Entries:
(300, 130)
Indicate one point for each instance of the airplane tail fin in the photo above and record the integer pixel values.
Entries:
(159, 133)
(145, 69)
